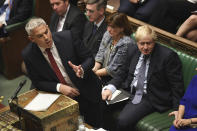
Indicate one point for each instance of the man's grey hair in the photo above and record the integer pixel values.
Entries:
(100, 3)
(33, 23)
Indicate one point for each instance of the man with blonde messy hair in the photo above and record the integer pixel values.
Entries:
(152, 75)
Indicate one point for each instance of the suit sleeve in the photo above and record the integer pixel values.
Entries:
(21, 12)
(175, 78)
(84, 55)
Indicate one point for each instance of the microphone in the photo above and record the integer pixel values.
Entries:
(22, 83)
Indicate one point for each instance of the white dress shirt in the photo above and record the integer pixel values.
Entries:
(59, 64)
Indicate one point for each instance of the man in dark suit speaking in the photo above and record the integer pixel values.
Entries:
(153, 75)
(58, 63)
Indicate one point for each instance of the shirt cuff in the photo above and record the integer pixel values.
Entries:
(82, 75)
(58, 87)
(110, 87)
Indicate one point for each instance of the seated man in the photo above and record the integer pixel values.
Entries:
(189, 28)
(50, 60)
(152, 74)
(67, 17)
(96, 26)
(13, 11)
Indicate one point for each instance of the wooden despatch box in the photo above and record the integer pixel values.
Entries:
(62, 115)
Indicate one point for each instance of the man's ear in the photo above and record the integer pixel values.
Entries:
(31, 38)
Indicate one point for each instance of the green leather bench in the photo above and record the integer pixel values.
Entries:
(160, 121)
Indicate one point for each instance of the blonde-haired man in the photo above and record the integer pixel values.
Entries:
(153, 76)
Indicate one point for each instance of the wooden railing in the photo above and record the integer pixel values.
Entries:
(164, 37)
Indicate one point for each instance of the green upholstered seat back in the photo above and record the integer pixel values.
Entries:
(160, 121)
(189, 64)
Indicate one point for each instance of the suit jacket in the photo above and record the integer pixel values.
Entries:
(44, 78)
(92, 42)
(164, 80)
(75, 21)
(20, 11)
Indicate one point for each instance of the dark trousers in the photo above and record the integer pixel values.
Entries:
(131, 114)
(92, 112)
(140, 12)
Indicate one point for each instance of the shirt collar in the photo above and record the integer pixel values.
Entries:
(99, 24)
(43, 49)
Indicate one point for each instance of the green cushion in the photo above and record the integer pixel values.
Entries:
(155, 122)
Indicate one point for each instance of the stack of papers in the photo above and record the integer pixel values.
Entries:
(41, 102)
(118, 96)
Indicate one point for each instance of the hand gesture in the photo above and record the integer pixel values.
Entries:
(77, 69)
(106, 94)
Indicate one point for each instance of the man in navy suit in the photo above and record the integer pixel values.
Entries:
(158, 88)
(96, 26)
(67, 17)
(74, 63)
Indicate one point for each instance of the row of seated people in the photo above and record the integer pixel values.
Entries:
(66, 65)
(165, 14)
(151, 72)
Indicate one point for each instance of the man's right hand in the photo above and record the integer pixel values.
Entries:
(106, 94)
(69, 91)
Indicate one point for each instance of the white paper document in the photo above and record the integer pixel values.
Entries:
(41, 102)
(116, 93)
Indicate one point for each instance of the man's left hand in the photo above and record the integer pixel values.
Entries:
(78, 69)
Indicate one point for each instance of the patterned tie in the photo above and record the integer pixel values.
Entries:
(140, 83)
(55, 67)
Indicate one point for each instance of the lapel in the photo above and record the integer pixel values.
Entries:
(68, 18)
(153, 62)
(134, 62)
(99, 33)
(56, 20)
(43, 64)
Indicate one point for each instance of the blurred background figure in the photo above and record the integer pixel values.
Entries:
(13, 11)
(189, 28)
(139, 9)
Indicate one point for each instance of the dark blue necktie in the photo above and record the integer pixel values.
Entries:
(94, 29)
